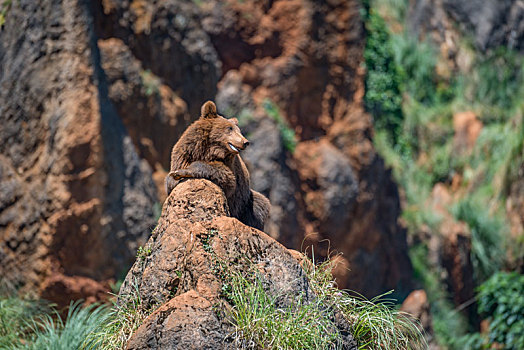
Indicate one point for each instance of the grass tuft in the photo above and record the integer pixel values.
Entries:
(375, 324)
(261, 323)
(123, 320)
(53, 333)
(16, 319)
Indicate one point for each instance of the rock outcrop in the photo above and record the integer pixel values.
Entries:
(182, 274)
(492, 23)
(94, 94)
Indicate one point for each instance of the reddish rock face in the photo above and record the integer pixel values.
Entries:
(333, 191)
(94, 95)
(467, 129)
(75, 198)
(417, 305)
(192, 244)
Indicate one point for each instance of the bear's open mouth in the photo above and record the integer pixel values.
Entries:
(233, 148)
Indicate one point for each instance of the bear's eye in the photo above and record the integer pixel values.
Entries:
(230, 128)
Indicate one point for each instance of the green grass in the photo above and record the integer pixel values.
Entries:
(16, 319)
(487, 237)
(498, 79)
(34, 324)
(124, 318)
(54, 333)
(260, 323)
(415, 62)
(375, 324)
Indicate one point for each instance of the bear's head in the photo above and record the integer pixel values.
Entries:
(225, 137)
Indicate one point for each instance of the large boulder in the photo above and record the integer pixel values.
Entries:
(75, 198)
(189, 254)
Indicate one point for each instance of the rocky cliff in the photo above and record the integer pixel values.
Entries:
(94, 94)
(490, 23)
(76, 198)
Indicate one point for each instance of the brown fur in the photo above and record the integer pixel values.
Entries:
(204, 151)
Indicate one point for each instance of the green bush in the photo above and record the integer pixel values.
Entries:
(416, 64)
(498, 78)
(501, 298)
(383, 98)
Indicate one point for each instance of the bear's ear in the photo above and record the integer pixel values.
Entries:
(208, 110)
(233, 120)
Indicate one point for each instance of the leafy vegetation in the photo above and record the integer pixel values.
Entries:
(382, 98)
(417, 141)
(487, 252)
(502, 299)
(286, 132)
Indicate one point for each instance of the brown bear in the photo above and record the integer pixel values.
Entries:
(209, 149)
